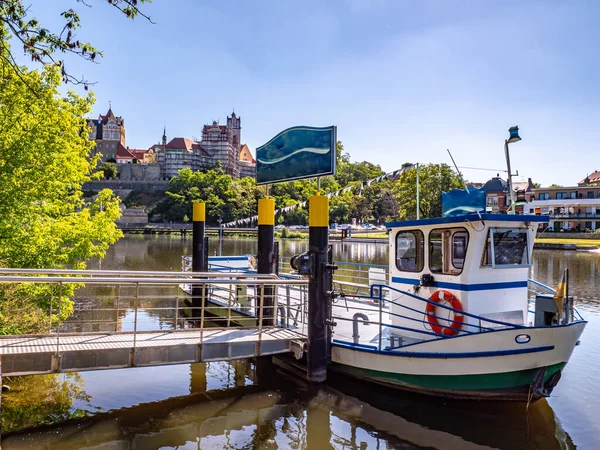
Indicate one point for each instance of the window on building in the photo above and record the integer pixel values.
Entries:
(573, 195)
(495, 201)
(544, 196)
(113, 146)
(590, 194)
(588, 225)
(447, 250)
(561, 195)
(506, 247)
(410, 251)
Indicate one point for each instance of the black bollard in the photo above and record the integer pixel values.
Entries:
(318, 287)
(266, 242)
(198, 253)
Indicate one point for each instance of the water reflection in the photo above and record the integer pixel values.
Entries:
(232, 405)
(243, 411)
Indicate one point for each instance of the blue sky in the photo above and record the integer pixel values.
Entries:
(402, 80)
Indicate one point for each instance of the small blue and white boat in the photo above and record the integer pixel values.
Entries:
(458, 321)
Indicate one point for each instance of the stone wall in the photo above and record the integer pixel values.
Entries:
(139, 172)
(133, 216)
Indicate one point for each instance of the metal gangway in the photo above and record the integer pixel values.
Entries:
(105, 319)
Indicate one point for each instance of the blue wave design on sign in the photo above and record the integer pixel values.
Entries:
(459, 202)
(296, 153)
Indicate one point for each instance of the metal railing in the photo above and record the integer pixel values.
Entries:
(394, 308)
(350, 278)
(116, 302)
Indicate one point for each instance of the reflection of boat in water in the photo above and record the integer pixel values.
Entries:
(444, 423)
(277, 413)
(459, 323)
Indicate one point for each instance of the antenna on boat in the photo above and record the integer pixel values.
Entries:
(459, 174)
(464, 184)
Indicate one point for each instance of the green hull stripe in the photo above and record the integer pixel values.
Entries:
(453, 382)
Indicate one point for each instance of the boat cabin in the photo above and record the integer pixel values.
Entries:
(481, 260)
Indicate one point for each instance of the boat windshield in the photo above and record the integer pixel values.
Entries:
(447, 250)
(410, 251)
(506, 247)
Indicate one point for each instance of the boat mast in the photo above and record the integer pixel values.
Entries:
(418, 198)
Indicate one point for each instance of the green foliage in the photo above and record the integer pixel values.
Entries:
(380, 201)
(433, 180)
(554, 185)
(225, 197)
(42, 399)
(41, 44)
(44, 219)
(108, 170)
(347, 172)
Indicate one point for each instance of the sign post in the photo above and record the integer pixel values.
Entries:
(294, 154)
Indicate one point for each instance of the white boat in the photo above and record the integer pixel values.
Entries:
(460, 323)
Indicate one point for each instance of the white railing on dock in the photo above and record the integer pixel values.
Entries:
(139, 310)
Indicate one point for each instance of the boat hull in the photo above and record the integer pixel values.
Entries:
(506, 386)
(486, 366)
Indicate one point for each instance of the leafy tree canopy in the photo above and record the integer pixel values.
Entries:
(46, 46)
(433, 180)
(44, 221)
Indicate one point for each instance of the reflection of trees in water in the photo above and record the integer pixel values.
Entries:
(42, 399)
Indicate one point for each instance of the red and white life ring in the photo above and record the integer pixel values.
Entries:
(457, 321)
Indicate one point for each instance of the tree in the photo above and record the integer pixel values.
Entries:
(347, 171)
(44, 220)
(42, 45)
(386, 206)
(553, 185)
(433, 180)
(108, 170)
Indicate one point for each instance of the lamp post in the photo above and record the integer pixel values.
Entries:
(514, 137)
(220, 220)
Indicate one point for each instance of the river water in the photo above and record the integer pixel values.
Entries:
(242, 405)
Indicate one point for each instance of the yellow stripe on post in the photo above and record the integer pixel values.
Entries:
(266, 211)
(199, 212)
(318, 211)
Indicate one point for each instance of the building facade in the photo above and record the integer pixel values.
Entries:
(181, 153)
(575, 208)
(219, 144)
(498, 200)
(108, 131)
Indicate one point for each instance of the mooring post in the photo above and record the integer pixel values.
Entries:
(265, 256)
(198, 253)
(319, 285)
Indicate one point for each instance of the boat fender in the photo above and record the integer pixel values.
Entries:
(457, 321)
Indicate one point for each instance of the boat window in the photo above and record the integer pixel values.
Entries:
(509, 248)
(410, 251)
(447, 250)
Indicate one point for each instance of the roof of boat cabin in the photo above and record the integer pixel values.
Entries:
(469, 218)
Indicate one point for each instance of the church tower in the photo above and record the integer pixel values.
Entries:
(164, 136)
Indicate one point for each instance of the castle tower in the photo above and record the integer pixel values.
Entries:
(234, 123)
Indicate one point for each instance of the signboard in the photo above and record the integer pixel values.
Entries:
(459, 202)
(296, 153)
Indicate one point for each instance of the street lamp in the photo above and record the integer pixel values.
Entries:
(220, 220)
(514, 137)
